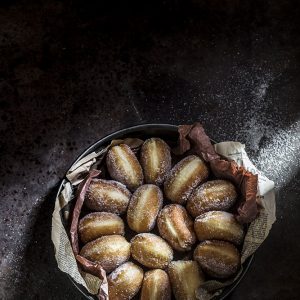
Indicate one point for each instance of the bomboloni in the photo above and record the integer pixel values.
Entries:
(124, 167)
(218, 259)
(186, 277)
(156, 286)
(184, 177)
(176, 227)
(108, 196)
(155, 160)
(144, 207)
(110, 251)
(125, 282)
(212, 195)
(218, 225)
(151, 251)
(97, 224)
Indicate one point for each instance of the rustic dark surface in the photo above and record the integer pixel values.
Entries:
(69, 76)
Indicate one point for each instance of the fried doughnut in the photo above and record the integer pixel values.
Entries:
(155, 160)
(107, 195)
(218, 225)
(110, 251)
(97, 224)
(218, 258)
(211, 195)
(156, 286)
(186, 277)
(175, 226)
(184, 177)
(124, 167)
(143, 208)
(151, 250)
(125, 282)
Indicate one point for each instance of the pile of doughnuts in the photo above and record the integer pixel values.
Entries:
(160, 230)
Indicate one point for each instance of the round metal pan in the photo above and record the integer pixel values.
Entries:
(169, 133)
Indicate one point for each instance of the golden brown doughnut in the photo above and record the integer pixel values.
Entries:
(107, 195)
(184, 177)
(125, 282)
(110, 251)
(151, 250)
(211, 195)
(218, 258)
(156, 286)
(97, 224)
(124, 167)
(175, 226)
(143, 208)
(186, 277)
(155, 160)
(218, 225)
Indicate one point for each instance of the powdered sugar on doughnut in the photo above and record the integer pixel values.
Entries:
(124, 167)
(144, 207)
(107, 195)
(211, 195)
(219, 259)
(184, 177)
(155, 160)
(151, 250)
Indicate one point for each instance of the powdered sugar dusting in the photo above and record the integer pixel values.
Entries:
(277, 149)
(15, 233)
(144, 207)
(151, 250)
(107, 195)
(176, 227)
(212, 195)
(125, 281)
(124, 167)
(111, 251)
(218, 225)
(185, 277)
(273, 149)
(128, 269)
(155, 160)
(219, 259)
(184, 177)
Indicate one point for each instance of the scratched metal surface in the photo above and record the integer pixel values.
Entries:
(69, 76)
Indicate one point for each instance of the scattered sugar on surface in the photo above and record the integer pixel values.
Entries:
(15, 234)
(244, 106)
(274, 149)
(279, 156)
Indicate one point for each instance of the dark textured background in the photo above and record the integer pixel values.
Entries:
(69, 75)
